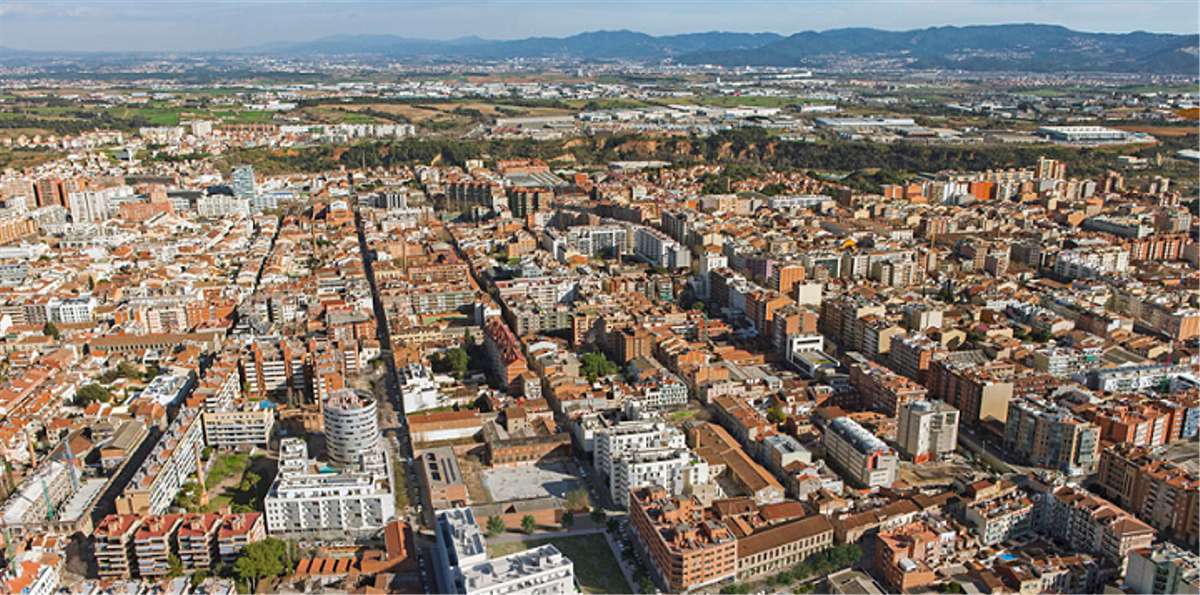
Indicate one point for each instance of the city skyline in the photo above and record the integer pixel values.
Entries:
(216, 25)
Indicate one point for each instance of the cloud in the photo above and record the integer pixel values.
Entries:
(51, 10)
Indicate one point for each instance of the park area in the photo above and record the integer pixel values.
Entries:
(236, 480)
(595, 568)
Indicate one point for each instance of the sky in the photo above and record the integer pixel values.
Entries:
(190, 25)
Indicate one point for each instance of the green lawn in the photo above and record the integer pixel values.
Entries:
(231, 465)
(595, 567)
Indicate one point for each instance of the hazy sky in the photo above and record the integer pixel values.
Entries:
(222, 24)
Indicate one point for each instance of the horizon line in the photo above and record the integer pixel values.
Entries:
(578, 33)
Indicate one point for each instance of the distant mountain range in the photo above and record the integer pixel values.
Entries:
(595, 45)
(1025, 48)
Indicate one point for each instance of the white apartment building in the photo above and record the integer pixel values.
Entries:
(89, 206)
(215, 206)
(1088, 264)
(927, 429)
(155, 485)
(310, 499)
(418, 389)
(252, 426)
(673, 469)
(352, 430)
(860, 455)
(73, 310)
(627, 437)
(657, 248)
(461, 565)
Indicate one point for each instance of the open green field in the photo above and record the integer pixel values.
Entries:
(595, 567)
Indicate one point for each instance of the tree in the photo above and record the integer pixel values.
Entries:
(50, 330)
(646, 586)
(174, 566)
(595, 365)
(613, 526)
(568, 519)
(454, 361)
(528, 523)
(775, 415)
(199, 577)
(495, 526)
(128, 370)
(458, 360)
(598, 515)
(784, 578)
(260, 560)
(951, 587)
(90, 394)
(577, 499)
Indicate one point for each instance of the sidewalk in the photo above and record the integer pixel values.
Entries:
(612, 545)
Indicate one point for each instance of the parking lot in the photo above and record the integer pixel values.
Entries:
(520, 483)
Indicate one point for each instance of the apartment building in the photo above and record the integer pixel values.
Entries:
(979, 393)
(658, 249)
(627, 437)
(306, 500)
(883, 390)
(271, 370)
(253, 425)
(1159, 490)
(175, 457)
(906, 557)
(418, 389)
(1088, 523)
(220, 386)
(1162, 569)
(912, 354)
(1049, 435)
(154, 543)
(861, 456)
(1143, 421)
(351, 424)
(462, 567)
(673, 469)
(196, 540)
(504, 352)
(927, 430)
(685, 549)
(1133, 378)
(238, 531)
(114, 545)
(1007, 516)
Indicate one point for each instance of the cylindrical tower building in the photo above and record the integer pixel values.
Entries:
(352, 429)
